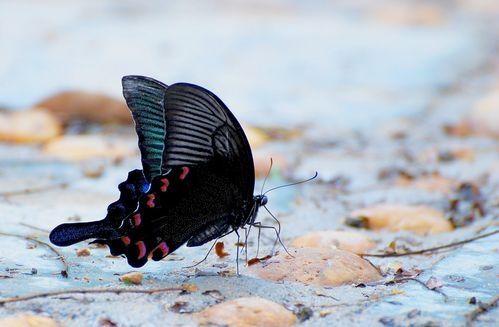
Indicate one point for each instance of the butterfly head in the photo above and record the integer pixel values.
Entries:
(260, 200)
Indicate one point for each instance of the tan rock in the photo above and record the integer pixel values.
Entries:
(409, 14)
(83, 252)
(332, 239)
(83, 147)
(28, 126)
(319, 266)
(256, 136)
(397, 217)
(28, 320)
(88, 107)
(431, 183)
(483, 118)
(246, 312)
(133, 277)
(262, 163)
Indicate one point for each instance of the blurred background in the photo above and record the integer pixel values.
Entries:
(336, 64)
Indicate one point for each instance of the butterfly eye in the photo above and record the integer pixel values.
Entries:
(263, 200)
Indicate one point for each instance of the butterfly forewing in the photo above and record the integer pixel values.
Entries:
(145, 98)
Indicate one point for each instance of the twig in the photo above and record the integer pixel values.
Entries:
(397, 280)
(35, 227)
(432, 249)
(482, 308)
(35, 189)
(61, 257)
(89, 291)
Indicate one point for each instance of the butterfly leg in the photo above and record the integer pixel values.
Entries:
(258, 238)
(237, 253)
(278, 237)
(246, 233)
(209, 251)
(206, 256)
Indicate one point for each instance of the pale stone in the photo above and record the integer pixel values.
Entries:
(83, 147)
(332, 239)
(247, 312)
(398, 217)
(317, 266)
(28, 126)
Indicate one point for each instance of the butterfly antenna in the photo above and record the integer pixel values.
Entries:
(278, 232)
(267, 176)
(291, 184)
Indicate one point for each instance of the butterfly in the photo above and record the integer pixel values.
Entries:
(197, 180)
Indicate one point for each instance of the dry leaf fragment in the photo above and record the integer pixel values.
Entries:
(397, 291)
(220, 250)
(466, 204)
(257, 260)
(434, 283)
(216, 294)
(181, 307)
(106, 322)
(190, 288)
(83, 252)
(134, 278)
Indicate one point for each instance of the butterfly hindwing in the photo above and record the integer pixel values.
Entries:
(130, 191)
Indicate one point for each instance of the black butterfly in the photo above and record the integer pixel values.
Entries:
(197, 180)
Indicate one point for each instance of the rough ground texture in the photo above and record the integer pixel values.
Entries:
(370, 88)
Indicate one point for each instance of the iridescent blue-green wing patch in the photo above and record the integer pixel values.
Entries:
(145, 98)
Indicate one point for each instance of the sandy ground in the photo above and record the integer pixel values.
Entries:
(370, 87)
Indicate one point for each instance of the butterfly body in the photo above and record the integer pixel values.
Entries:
(197, 180)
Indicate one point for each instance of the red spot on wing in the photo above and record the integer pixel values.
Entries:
(160, 251)
(125, 240)
(142, 249)
(137, 219)
(185, 171)
(163, 248)
(150, 203)
(165, 183)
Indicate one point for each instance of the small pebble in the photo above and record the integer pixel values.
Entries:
(134, 278)
(83, 252)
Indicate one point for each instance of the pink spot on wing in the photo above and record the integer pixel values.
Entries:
(163, 248)
(150, 203)
(165, 184)
(125, 240)
(142, 249)
(137, 219)
(185, 171)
